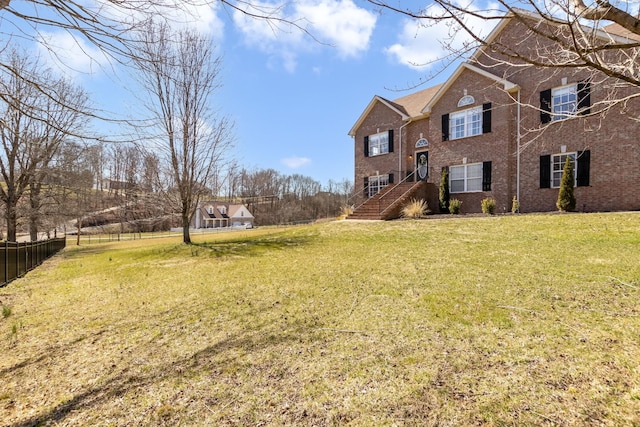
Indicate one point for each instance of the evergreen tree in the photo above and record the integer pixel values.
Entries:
(566, 200)
(444, 190)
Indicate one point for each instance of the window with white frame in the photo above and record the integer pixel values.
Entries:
(465, 123)
(564, 102)
(557, 167)
(377, 183)
(465, 178)
(379, 144)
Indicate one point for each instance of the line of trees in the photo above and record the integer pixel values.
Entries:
(276, 198)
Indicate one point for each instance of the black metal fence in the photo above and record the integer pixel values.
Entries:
(18, 258)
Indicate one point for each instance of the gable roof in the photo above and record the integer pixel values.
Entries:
(234, 210)
(613, 31)
(507, 85)
(407, 107)
(415, 102)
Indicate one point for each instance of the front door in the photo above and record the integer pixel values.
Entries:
(422, 165)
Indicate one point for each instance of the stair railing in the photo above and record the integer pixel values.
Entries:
(377, 201)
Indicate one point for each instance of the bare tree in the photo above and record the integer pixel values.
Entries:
(32, 127)
(181, 73)
(597, 38)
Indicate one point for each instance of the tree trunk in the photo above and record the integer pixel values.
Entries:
(186, 237)
(34, 212)
(79, 226)
(12, 219)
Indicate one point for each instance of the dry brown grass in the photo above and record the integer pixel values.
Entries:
(529, 320)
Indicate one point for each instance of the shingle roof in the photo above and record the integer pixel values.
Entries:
(619, 30)
(413, 103)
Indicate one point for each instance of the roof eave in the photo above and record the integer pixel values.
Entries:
(507, 85)
(367, 110)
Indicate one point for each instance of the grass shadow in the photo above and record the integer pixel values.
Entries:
(249, 247)
(206, 359)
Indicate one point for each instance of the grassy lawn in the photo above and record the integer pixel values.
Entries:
(509, 320)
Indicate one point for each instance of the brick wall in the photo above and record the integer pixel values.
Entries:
(380, 119)
(611, 138)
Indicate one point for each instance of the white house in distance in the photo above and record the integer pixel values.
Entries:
(221, 215)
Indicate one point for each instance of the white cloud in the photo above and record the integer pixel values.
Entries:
(340, 22)
(70, 55)
(421, 42)
(337, 23)
(201, 16)
(296, 162)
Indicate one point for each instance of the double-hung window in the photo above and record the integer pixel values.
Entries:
(465, 123)
(470, 122)
(557, 168)
(378, 144)
(377, 183)
(465, 178)
(552, 167)
(564, 102)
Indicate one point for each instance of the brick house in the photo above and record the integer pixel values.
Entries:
(502, 131)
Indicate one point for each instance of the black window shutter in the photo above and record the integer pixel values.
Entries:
(584, 166)
(391, 140)
(390, 178)
(545, 171)
(486, 176)
(486, 117)
(366, 186)
(545, 106)
(445, 127)
(366, 146)
(584, 97)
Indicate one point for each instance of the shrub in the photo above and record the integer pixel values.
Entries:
(515, 205)
(6, 311)
(416, 208)
(454, 206)
(566, 200)
(444, 190)
(488, 205)
(345, 211)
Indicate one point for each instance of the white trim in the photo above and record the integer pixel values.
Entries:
(375, 149)
(554, 172)
(466, 114)
(571, 88)
(466, 178)
(370, 106)
(506, 84)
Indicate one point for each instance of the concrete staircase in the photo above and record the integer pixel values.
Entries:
(388, 203)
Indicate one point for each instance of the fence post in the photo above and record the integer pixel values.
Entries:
(6, 261)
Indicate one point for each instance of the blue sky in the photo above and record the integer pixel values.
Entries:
(293, 99)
